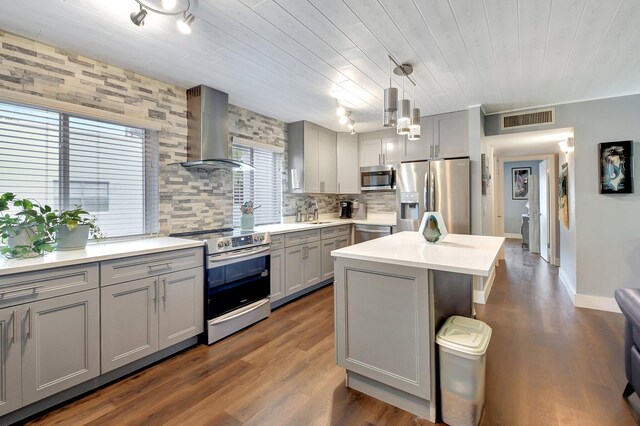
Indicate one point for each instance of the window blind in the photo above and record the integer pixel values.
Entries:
(262, 186)
(64, 160)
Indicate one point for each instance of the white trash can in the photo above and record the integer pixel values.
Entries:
(463, 343)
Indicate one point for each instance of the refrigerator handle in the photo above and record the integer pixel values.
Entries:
(432, 192)
(426, 193)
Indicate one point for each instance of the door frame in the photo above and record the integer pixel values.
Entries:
(552, 197)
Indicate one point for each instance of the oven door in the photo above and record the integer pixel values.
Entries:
(236, 280)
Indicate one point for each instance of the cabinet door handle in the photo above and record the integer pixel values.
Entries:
(15, 290)
(155, 289)
(29, 322)
(431, 151)
(379, 158)
(15, 326)
(338, 187)
(384, 158)
(163, 265)
(164, 289)
(437, 150)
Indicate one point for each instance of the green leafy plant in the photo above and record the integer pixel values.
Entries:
(36, 222)
(77, 217)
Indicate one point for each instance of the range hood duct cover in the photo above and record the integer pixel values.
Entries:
(208, 131)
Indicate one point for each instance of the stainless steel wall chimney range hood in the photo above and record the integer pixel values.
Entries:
(208, 131)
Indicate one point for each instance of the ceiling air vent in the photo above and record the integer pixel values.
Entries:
(531, 118)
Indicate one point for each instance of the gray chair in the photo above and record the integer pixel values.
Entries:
(629, 301)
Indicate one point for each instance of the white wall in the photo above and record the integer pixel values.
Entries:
(476, 133)
(514, 209)
(601, 249)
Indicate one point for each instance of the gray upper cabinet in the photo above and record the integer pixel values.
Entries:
(10, 376)
(60, 344)
(382, 147)
(347, 161)
(442, 136)
(312, 158)
(451, 135)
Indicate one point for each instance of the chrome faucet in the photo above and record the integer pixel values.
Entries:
(315, 210)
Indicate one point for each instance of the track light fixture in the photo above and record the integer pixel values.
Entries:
(345, 118)
(351, 123)
(169, 8)
(184, 25)
(138, 17)
(340, 111)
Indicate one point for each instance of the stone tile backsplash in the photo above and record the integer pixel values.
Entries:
(189, 200)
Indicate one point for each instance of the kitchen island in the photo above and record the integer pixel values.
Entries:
(392, 295)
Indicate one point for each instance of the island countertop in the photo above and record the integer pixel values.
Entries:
(465, 254)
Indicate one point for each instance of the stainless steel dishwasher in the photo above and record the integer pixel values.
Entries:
(370, 232)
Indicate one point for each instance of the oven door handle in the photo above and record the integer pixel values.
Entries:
(212, 260)
(251, 308)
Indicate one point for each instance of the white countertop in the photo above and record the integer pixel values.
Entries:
(95, 252)
(466, 254)
(281, 228)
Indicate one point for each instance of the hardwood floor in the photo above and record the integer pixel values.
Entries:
(548, 364)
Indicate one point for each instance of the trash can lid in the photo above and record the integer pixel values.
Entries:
(465, 335)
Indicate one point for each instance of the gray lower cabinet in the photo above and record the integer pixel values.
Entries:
(181, 306)
(10, 377)
(48, 346)
(60, 344)
(303, 265)
(327, 261)
(129, 322)
(143, 316)
(278, 288)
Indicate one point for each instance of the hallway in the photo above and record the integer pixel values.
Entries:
(548, 362)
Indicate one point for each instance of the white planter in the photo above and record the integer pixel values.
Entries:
(72, 240)
(22, 238)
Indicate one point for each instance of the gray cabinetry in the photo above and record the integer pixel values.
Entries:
(327, 261)
(312, 264)
(377, 151)
(332, 239)
(294, 276)
(180, 306)
(49, 333)
(278, 289)
(451, 135)
(442, 136)
(303, 260)
(10, 377)
(312, 158)
(129, 322)
(347, 164)
(60, 344)
(144, 315)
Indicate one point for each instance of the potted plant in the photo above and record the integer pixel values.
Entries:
(73, 228)
(29, 231)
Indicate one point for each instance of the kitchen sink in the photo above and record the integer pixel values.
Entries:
(320, 222)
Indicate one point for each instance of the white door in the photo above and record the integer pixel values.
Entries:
(534, 215)
(544, 210)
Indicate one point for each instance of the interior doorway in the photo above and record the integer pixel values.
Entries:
(536, 225)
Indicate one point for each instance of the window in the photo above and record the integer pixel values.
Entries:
(64, 160)
(263, 185)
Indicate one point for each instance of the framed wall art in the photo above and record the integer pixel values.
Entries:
(616, 167)
(520, 183)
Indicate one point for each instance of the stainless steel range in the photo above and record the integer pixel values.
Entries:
(238, 284)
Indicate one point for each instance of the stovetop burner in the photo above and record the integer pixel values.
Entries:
(226, 239)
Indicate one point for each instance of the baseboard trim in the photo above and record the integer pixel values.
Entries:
(481, 296)
(514, 236)
(564, 280)
(597, 302)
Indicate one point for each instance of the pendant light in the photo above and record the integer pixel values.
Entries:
(414, 128)
(404, 114)
(390, 114)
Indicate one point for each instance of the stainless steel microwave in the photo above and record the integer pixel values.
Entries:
(377, 178)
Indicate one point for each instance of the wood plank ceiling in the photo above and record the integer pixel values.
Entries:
(296, 59)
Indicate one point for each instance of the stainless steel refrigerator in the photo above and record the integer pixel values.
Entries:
(438, 185)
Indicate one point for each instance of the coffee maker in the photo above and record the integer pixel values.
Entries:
(346, 209)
